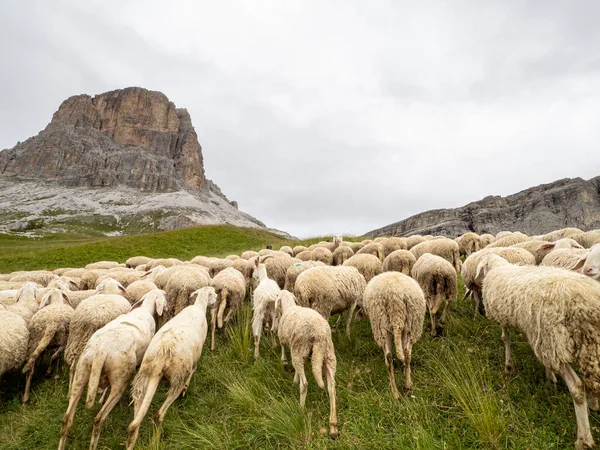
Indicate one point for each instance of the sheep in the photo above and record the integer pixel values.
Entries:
(13, 340)
(73, 273)
(341, 254)
(589, 262)
(468, 243)
(173, 354)
(559, 313)
(109, 359)
(502, 234)
(446, 248)
(249, 254)
(92, 314)
(299, 249)
(373, 248)
(122, 275)
(230, 286)
(368, 265)
(63, 282)
(137, 289)
(74, 298)
(103, 265)
(307, 333)
(89, 277)
(166, 262)
(331, 290)
(413, 240)
(263, 303)
(508, 240)
(565, 258)
(202, 261)
(217, 265)
(306, 255)
(539, 249)
(232, 257)
(586, 239)
(277, 265)
(179, 289)
(392, 244)
(323, 255)
(396, 308)
(438, 280)
(135, 261)
(296, 269)
(486, 239)
(355, 246)
(287, 249)
(560, 234)
(469, 268)
(41, 277)
(399, 261)
(26, 304)
(48, 327)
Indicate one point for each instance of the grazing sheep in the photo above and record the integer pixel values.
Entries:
(331, 290)
(137, 289)
(589, 263)
(103, 265)
(307, 333)
(341, 254)
(89, 277)
(513, 255)
(122, 275)
(539, 249)
(232, 257)
(173, 354)
(400, 261)
(368, 265)
(73, 273)
(263, 303)
(230, 286)
(92, 314)
(49, 327)
(355, 246)
(179, 289)
(586, 239)
(109, 359)
(296, 269)
(391, 244)
(323, 255)
(468, 243)
(508, 240)
(413, 240)
(486, 239)
(299, 249)
(439, 283)
(559, 313)
(26, 304)
(64, 283)
(74, 298)
(249, 254)
(560, 234)
(135, 261)
(375, 249)
(306, 255)
(41, 277)
(217, 265)
(396, 308)
(166, 262)
(565, 258)
(13, 340)
(287, 249)
(446, 248)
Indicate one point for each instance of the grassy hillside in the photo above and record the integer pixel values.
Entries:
(461, 398)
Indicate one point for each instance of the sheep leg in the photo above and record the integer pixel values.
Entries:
(445, 312)
(284, 360)
(349, 320)
(172, 395)
(298, 363)
(213, 326)
(103, 397)
(550, 376)
(584, 434)
(116, 392)
(228, 316)
(186, 385)
(432, 317)
(333, 427)
(55, 356)
(407, 347)
(28, 383)
(592, 401)
(389, 362)
(476, 297)
(256, 346)
(77, 388)
(508, 365)
(222, 307)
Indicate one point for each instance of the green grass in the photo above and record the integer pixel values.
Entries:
(461, 398)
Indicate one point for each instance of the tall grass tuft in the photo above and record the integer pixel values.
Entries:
(239, 335)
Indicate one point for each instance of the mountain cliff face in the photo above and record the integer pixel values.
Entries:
(125, 157)
(538, 210)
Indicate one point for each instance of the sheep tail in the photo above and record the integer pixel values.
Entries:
(456, 257)
(94, 381)
(319, 352)
(145, 385)
(222, 306)
(44, 342)
(589, 354)
(397, 329)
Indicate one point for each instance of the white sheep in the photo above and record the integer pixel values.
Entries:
(230, 287)
(589, 262)
(565, 258)
(368, 265)
(341, 254)
(26, 304)
(109, 359)
(399, 261)
(439, 283)
(13, 340)
(296, 269)
(48, 327)
(182, 283)
(559, 312)
(263, 303)
(396, 308)
(308, 334)
(446, 248)
(468, 243)
(173, 354)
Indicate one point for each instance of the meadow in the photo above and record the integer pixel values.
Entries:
(461, 397)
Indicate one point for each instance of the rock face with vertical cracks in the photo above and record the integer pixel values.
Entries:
(130, 137)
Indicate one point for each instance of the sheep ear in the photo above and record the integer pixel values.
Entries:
(45, 299)
(481, 271)
(123, 290)
(212, 298)
(194, 294)
(548, 246)
(580, 263)
(160, 304)
(138, 303)
(148, 272)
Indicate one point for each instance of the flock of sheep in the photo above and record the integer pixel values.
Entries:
(104, 318)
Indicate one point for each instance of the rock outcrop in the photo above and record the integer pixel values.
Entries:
(132, 137)
(541, 209)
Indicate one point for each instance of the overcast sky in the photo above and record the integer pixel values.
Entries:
(332, 116)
